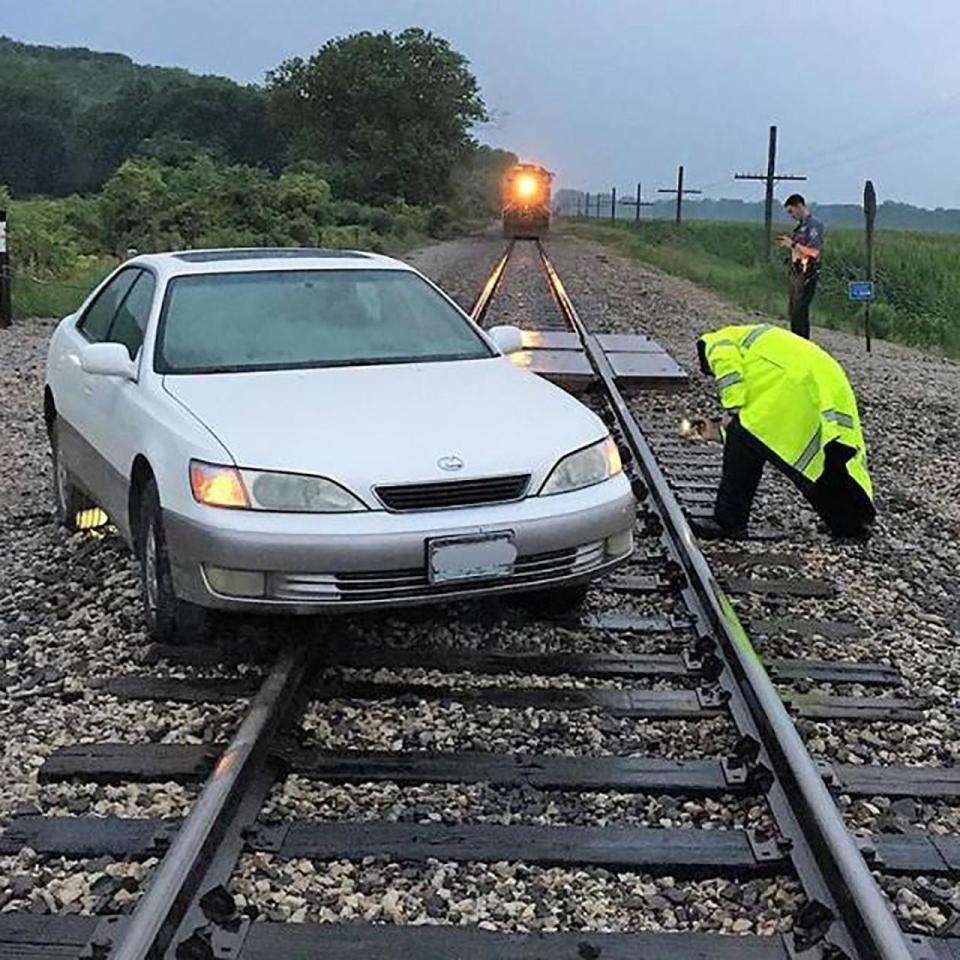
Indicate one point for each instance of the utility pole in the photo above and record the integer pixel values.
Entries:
(6, 300)
(679, 191)
(769, 178)
(637, 203)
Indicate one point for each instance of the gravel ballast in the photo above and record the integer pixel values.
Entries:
(508, 896)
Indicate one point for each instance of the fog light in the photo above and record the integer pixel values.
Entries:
(620, 543)
(235, 583)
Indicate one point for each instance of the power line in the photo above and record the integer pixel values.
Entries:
(881, 134)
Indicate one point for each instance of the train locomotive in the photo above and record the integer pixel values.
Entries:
(525, 193)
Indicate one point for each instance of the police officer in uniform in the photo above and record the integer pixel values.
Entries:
(787, 402)
(805, 245)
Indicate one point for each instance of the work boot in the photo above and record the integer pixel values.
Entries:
(859, 535)
(710, 529)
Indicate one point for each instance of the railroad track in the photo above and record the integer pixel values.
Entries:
(661, 645)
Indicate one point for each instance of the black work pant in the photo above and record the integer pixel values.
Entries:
(802, 288)
(836, 497)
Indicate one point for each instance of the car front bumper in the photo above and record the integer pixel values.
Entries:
(360, 561)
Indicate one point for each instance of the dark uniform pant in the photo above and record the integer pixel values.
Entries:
(836, 497)
(803, 285)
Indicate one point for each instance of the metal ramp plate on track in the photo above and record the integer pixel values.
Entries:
(637, 360)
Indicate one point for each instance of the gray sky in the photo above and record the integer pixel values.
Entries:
(612, 91)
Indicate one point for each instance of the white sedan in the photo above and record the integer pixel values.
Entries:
(304, 431)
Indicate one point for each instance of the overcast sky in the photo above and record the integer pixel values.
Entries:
(612, 91)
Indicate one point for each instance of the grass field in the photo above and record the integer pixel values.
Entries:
(918, 274)
(57, 296)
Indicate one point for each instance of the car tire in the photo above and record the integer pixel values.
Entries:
(67, 499)
(555, 601)
(168, 619)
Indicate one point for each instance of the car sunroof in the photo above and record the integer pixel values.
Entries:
(262, 253)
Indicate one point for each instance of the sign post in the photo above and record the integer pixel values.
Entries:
(6, 299)
(870, 213)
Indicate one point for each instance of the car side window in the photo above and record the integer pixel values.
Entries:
(130, 320)
(96, 321)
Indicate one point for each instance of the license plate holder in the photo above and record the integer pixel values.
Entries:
(483, 556)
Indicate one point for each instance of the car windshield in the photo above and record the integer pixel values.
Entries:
(282, 319)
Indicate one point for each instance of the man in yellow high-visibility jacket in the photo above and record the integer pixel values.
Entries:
(786, 401)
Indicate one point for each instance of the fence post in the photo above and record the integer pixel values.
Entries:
(636, 213)
(613, 205)
(870, 213)
(6, 298)
(586, 206)
(679, 213)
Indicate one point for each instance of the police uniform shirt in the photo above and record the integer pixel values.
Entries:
(809, 233)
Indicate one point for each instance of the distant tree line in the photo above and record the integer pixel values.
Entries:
(891, 215)
(381, 118)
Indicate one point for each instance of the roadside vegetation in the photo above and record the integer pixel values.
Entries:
(368, 144)
(917, 275)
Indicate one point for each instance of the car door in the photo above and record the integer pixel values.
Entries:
(75, 391)
(114, 424)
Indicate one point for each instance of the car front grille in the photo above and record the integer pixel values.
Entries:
(413, 584)
(453, 493)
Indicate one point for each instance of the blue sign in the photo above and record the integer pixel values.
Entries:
(860, 291)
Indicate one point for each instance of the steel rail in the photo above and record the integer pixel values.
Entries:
(828, 862)
(174, 886)
(479, 309)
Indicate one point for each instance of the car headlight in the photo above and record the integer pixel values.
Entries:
(220, 486)
(583, 468)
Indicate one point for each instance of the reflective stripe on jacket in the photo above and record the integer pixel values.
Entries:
(791, 394)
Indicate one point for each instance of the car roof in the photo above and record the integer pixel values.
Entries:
(253, 259)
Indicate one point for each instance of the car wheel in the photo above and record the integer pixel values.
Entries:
(168, 618)
(555, 601)
(67, 498)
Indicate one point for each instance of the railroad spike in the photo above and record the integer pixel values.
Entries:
(705, 646)
(746, 750)
(218, 905)
(711, 666)
(766, 847)
(811, 925)
(760, 778)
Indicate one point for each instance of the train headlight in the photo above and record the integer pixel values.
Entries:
(526, 186)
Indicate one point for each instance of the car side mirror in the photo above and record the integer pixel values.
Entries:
(508, 339)
(108, 360)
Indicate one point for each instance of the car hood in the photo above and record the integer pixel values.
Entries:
(369, 425)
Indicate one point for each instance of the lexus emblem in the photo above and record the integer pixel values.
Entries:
(450, 463)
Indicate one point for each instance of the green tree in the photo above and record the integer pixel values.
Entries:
(34, 130)
(385, 115)
(477, 182)
(133, 207)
